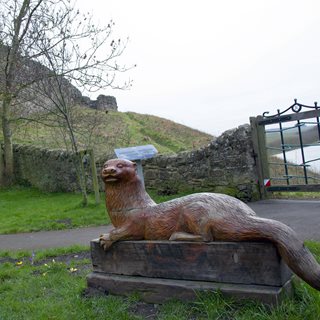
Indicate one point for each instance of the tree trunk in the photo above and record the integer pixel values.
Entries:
(95, 183)
(7, 148)
(82, 180)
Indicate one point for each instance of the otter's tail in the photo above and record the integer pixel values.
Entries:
(299, 259)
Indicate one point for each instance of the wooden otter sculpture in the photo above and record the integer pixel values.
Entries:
(197, 217)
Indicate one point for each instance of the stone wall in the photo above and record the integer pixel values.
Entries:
(226, 165)
(47, 170)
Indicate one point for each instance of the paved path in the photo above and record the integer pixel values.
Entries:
(301, 215)
(50, 239)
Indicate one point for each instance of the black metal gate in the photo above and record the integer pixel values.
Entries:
(287, 149)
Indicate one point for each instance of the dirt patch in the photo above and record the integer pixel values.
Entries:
(65, 258)
(145, 310)
(7, 259)
(67, 222)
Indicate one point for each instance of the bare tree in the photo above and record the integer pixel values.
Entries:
(42, 45)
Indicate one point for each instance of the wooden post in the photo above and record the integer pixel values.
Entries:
(1, 165)
(140, 171)
(95, 183)
(259, 147)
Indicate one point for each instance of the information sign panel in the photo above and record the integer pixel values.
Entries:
(136, 153)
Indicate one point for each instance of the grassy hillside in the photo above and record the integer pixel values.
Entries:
(106, 131)
(296, 173)
(309, 133)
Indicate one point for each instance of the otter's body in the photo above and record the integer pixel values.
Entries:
(197, 217)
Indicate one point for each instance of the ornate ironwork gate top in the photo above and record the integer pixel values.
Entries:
(296, 107)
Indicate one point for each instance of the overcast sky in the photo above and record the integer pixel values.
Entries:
(212, 64)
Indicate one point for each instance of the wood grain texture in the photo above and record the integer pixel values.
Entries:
(225, 262)
(157, 290)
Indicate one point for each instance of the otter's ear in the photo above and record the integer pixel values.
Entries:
(134, 165)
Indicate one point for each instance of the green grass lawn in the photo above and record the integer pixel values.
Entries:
(27, 209)
(50, 286)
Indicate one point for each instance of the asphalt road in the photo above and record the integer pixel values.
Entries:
(303, 216)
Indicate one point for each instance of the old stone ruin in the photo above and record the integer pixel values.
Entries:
(32, 100)
(101, 103)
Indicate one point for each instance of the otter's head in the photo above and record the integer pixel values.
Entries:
(118, 170)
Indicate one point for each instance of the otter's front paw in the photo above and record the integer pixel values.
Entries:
(105, 241)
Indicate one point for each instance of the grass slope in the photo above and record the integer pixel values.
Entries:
(309, 133)
(295, 173)
(106, 131)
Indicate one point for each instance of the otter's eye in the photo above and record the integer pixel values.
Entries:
(120, 165)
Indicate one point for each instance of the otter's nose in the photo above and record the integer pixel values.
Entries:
(109, 170)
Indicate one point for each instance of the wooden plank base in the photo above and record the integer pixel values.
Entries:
(158, 290)
(163, 270)
(228, 262)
